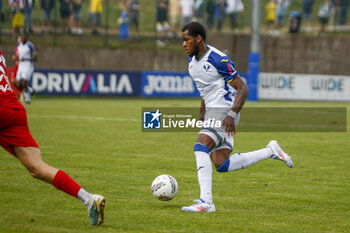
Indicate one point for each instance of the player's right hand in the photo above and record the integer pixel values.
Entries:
(229, 126)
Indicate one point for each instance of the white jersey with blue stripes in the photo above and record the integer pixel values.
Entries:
(212, 73)
(25, 51)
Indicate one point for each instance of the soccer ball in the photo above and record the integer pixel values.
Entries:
(164, 187)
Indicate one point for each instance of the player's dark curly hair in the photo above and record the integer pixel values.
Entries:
(194, 29)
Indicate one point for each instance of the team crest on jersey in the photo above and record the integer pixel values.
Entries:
(206, 68)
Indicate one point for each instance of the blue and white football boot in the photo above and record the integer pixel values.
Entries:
(200, 206)
(279, 154)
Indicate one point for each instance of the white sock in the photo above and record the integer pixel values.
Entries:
(243, 160)
(204, 172)
(85, 197)
(26, 96)
(31, 90)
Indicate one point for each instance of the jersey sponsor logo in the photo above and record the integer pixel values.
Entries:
(224, 60)
(75, 83)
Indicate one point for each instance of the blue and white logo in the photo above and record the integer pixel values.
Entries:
(151, 120)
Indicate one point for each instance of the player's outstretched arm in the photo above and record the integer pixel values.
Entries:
(242, 92)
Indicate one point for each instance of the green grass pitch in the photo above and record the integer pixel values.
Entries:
(100, 144)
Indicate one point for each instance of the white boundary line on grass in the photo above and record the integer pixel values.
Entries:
(83, 117)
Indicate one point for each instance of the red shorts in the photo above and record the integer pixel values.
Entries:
(14, 129)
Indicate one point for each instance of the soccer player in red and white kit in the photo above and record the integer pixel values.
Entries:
(16, 139)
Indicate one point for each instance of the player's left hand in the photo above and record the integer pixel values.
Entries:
(229, 125)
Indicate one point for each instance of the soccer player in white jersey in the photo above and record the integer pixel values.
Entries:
(26, 57)
(223, 94)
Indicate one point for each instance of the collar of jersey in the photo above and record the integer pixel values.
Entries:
(206, 51)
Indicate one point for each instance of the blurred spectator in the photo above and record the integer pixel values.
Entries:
(186, 10)
(134, 8)
(220, 13)
(66, 15)
(210, 17)
(307, 13)
(324, 14)
(2, 15)
(46, 6)
(17, 9)
(344, 6)
(13, 74)
(123, 23)
(232, 10)
(199, 10)
(295, 18)
(15, 58)
(175, 18)
(28, 15)
(77, 12)
(271, 15)
(96, 11)
(27, 55)
(334, 14)
(281, 12)
(162, 25)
